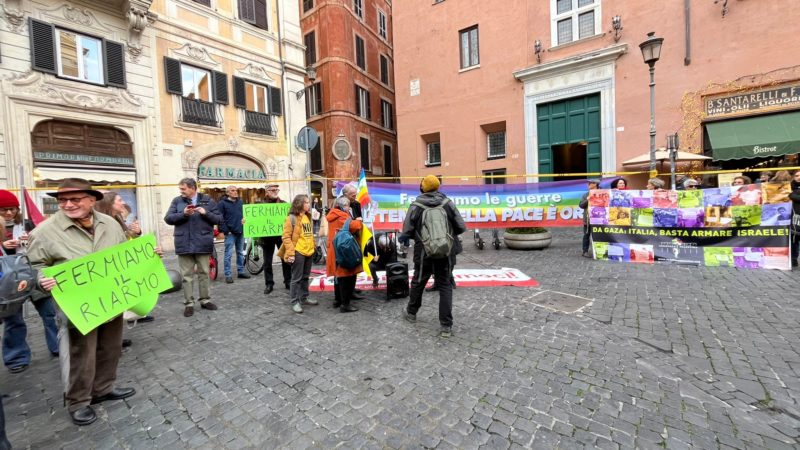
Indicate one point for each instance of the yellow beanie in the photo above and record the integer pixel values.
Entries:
(429, 184)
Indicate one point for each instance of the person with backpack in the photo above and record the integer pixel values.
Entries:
(298, 250)
(434, 222)
(13, 235)
(344, 253)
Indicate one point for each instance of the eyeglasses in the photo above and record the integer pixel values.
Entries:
(73, 200)
(12, 209)
(273, 190)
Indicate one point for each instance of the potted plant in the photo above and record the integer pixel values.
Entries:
(534, 238)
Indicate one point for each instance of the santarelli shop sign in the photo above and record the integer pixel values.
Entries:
(781, 97)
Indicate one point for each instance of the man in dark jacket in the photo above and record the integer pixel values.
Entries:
(385, 254)
(270, 243)
(194, 215)
(424, 266)
(230, 209)
(795, 197)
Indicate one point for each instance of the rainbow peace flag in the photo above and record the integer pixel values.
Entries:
(362, 195)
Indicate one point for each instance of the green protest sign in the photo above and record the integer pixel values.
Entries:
(98, 287)
(264, 219)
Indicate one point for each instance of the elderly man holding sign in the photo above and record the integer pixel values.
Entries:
(90, 359)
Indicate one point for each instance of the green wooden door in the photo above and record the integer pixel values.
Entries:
(569, 121)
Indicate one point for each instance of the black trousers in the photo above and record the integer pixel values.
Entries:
(343, 288)
(268, 246)
(587, 237)
(440, 269)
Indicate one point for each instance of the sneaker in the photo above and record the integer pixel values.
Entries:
(446, 332)
(310, 301)
(243, 275)
(188, 311)
(209, 306)
(412, 318)
(229, 280)
(297, 308)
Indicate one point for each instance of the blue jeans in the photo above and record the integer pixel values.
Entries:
(231, 241)
(15, 348)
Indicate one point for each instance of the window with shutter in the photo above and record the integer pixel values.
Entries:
(313, 100)
(247, 11)
(364, 147)
(239, 93)
(196, 83)
(384, 70)
(310, 42)
(115, 64)
(358, 8)
(204, 2)
(316, 157)
(276, 104)
(172, 71)
(220, 88)
(382, 24)
(387, 159)
(361, 60)
(42, 37)
(307, 5)
(80, 57)
(261, 14)
(386, 114)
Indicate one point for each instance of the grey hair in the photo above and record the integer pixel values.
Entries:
(657, 182)
(342, 202)
(190, 182)
(349, 187)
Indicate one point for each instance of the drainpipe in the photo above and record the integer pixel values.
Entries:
(687, 16)
(285, 86)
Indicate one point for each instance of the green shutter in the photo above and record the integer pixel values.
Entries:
(569, 121)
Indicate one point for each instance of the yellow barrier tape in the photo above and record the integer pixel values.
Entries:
(202, 184)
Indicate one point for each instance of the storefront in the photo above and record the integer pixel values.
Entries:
(101, 154)
(756, 129)
(222, 170)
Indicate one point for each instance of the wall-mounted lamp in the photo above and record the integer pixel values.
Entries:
(616, 24)
(724, 6)
(537, 48)
(311, 73)
(299, 94)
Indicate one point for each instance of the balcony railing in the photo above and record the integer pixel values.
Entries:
(260, 123)
(198, 112)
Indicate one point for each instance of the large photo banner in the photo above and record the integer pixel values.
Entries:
(553, 204)
(737, 226)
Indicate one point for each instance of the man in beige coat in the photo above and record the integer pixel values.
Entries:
(89, 363)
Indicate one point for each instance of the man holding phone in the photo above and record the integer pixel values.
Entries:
(194, 215)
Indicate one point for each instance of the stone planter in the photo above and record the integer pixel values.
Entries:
(534, 241)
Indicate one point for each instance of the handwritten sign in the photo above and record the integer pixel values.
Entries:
(98, 287)
(264, 219)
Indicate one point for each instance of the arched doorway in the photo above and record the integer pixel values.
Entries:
(98, 153)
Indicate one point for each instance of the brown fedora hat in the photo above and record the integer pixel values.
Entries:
(69, 185)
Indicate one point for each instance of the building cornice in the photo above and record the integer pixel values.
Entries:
(572, 63)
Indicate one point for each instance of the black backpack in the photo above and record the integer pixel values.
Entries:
(17, 281)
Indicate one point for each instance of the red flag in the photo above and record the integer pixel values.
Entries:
(33, 212)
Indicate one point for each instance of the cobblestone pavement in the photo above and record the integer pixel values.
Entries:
(662, 356)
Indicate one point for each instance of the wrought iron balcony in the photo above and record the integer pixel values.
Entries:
(259, 123)
(198, 112)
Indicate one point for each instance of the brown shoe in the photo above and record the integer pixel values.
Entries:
(188, 311)
(209, 306)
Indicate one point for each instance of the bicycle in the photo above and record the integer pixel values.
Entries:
(254, 258)
(213, 267)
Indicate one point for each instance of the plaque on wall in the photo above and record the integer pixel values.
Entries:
(341, 149)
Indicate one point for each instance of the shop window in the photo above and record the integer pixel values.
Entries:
(387, 159)
(310, 41)
(386, 115)
(363, 145)
(314, 100)
(382, 24)
(469, 47)
(358, 8)
(574, 19)
(363, 109)
(361, 58)
(261, 106)
(76, 56)
(490, 173)
(254, 12)
(384, 70)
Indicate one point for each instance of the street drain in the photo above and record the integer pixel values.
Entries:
(560, 302)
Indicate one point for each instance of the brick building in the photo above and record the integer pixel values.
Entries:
(561, 86)
(350, 100)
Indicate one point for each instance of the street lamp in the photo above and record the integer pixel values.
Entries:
(651, 52)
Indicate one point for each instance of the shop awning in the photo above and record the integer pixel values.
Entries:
(94, 176)
(755, 137)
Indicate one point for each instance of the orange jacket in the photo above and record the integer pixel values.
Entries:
(336, 219)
